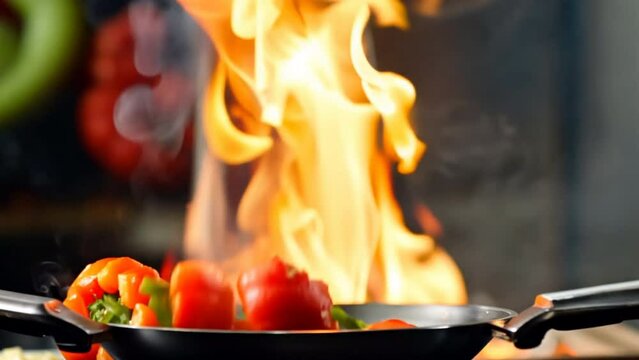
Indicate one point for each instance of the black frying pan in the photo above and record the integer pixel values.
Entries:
(443, 332)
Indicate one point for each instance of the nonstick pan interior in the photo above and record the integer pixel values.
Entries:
(445, 332)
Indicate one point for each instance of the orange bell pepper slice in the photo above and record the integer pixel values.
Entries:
(108, 276)
(92, 269)
(75, 302)
(129, 285)
(86, 283)
(143, 316)
(103, 355)
(88, 288)
(201, 296)
(390, 324)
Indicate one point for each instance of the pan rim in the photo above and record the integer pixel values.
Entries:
(506, 314)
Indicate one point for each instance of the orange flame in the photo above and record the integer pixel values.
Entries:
(312, 105)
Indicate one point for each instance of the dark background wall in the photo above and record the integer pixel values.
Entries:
(530, 113)
(604, 206)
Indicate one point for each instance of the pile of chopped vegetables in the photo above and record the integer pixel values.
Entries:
(198, 295)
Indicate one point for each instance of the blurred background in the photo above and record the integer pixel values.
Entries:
(528, 108)
(96, 158)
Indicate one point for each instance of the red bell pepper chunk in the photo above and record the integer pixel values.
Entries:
(168, 263)
(91, 355)
(278, 296)
(89, 289)
(201, 296)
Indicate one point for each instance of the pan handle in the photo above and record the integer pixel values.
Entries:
(41, 316)
(573, 309)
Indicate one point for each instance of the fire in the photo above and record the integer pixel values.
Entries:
(322, 129)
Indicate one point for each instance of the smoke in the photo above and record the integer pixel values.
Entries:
(51, 279)
(155, 114)
(149, 29)
(473, 148)
(166, 50)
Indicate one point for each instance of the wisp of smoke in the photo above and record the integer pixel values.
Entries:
(165, 48)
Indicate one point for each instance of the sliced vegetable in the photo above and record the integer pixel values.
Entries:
(159, 301)
(275, 296)
(91, 355)
(75, 302)
(129, 285)
(87, 297)
(86, 283)
(88, 288)
(108, 276)
(143, 316)
(103, 355)
(389, 324)
(201, 296)
(109, 310)
(278, 296)
(168, 263)
(345, 320)
(92, 269)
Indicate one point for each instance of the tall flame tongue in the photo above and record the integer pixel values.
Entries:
(320, 196)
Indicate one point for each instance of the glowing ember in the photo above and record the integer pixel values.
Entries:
(311, 111)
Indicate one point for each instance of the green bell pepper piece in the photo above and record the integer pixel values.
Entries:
(48, 43)
(109, 310)
(159, 300)
(8, 46)
(345, 320)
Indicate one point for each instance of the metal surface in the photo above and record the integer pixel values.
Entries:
(574, 309)
(442, 332)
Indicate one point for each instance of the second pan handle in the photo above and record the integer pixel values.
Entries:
(573, 309)
(41, 316)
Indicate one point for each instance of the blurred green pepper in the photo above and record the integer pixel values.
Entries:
(345, 320)
(8, 46)
(46, 46)
(159, 301)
